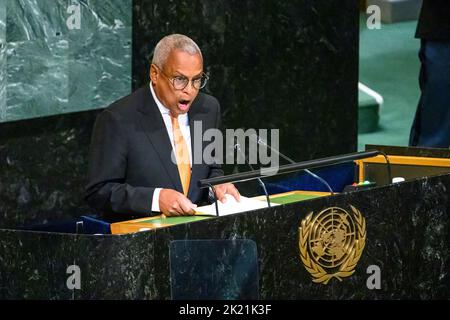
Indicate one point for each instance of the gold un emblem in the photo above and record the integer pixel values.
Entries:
(331, 243)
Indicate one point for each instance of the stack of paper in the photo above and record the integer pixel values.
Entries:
(232, 206)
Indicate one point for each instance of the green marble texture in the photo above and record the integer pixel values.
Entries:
(37, 83)
(47, 68)
(2, 22)
(2, 57)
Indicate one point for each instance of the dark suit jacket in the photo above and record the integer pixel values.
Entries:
(434, 20)
(130, 154)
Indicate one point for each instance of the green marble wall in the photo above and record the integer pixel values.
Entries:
(51, 64)
(2, 57)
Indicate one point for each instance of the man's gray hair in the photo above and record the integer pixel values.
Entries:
(171, 42)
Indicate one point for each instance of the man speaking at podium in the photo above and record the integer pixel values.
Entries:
(131, 166)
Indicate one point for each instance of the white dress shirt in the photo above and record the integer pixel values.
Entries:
(183, 120)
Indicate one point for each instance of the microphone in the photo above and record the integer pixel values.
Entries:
(237, 146)
(262, 142)
(389, 171)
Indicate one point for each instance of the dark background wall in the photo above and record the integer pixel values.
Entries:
(290, 66)
(43, 169)
(273, 64)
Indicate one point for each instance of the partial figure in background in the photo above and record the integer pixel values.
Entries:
(431, 126)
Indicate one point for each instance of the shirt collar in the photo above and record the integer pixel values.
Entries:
(182, 118)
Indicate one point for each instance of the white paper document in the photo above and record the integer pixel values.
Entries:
(232, 206)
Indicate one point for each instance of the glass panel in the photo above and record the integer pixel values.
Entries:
(214, 269)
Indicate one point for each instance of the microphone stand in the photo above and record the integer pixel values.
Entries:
(261, 183)
(215, 198)
(261, 142)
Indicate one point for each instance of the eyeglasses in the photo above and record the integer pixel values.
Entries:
(180, 82)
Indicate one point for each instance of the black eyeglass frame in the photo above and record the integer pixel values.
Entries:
(180, 86)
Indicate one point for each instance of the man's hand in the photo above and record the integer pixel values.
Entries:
(174, 203)
(227, 188)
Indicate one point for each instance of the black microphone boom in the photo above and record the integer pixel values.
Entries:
(262, 142)
(289, 168)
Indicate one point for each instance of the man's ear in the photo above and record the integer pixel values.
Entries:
(153, 74)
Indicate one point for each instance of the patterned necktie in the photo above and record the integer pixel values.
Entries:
(182, 154)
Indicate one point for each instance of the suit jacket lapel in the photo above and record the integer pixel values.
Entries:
(155, 129)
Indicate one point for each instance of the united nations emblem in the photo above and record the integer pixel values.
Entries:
(331, 243)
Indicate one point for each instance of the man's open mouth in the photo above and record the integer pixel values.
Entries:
(183, 104)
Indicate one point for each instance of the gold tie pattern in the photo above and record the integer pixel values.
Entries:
(182, 154)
